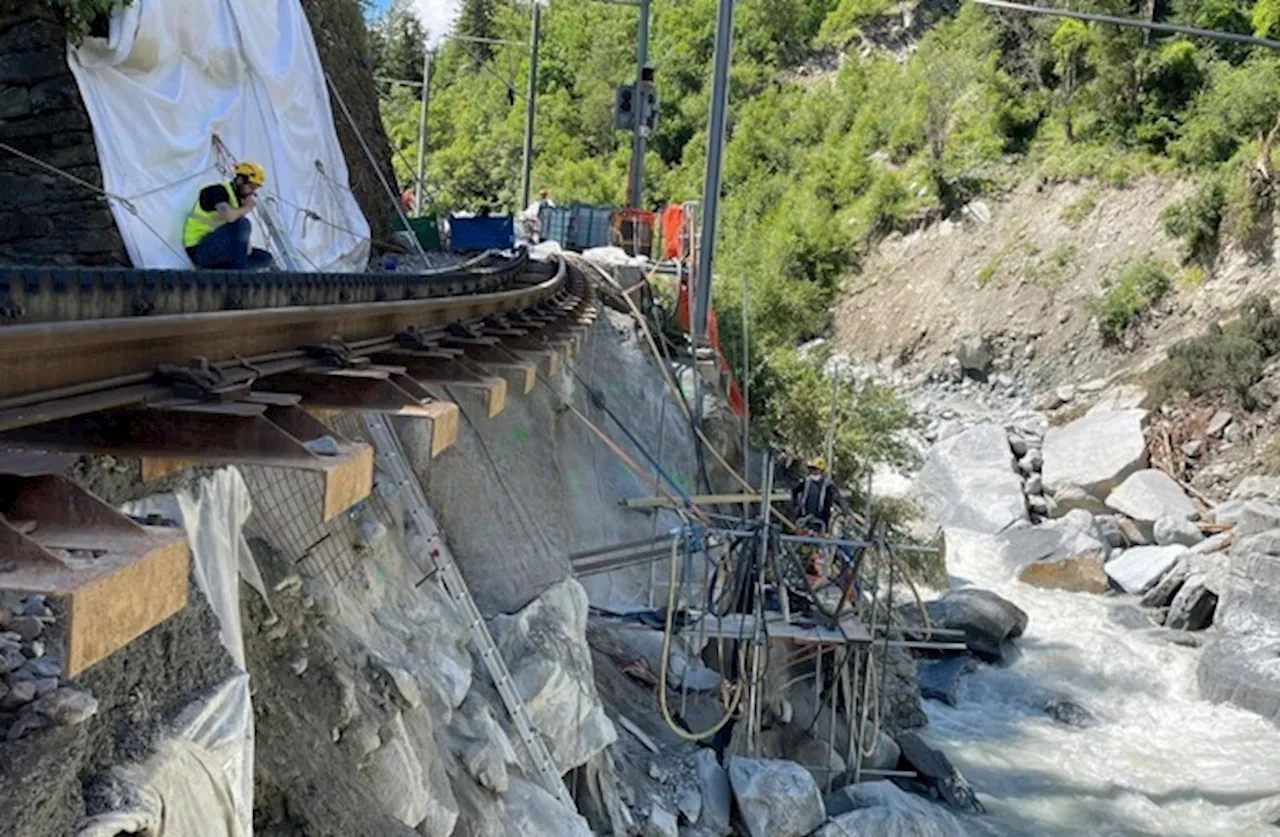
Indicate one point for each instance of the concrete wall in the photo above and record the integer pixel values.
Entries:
(519, 492)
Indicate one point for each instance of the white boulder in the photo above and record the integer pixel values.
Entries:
(777, 798)
(1095, 452)
(970, 481)
(545, 647)
(1148, 495)
(1139, 569)
(1172, 530)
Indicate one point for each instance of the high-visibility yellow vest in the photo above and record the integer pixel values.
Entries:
(200, 223)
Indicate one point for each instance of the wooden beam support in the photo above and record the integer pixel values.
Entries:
(173, 435)
(109, 578)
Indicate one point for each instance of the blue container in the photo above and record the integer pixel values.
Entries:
(491, 232)
(555, 223)
(590, 226)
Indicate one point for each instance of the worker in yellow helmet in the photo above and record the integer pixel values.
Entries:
(217, 231)
(816, 494)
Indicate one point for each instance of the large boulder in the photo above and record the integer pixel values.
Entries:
(776, 798)
(1241, 666)
(882, 808)
(1075, 534)
(1193, 608)
(936, 775)
(941, 680)
(1069, 498)
(1139, 569)
(717, 799)
(545, 647)
(1095, 453)
(1173, 530)
(1148, 495)
(1255, 518)
(970, 481)
(1121, 397)
(987, 620)
(974, 354)
(1258, 488)
(1078, 574)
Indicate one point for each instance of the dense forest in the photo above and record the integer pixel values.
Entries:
(849, 119)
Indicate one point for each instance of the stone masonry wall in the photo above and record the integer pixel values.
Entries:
(46, 219)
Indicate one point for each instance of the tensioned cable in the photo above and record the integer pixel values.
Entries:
(129, 207)
(1168, 28)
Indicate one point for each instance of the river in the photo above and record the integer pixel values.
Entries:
(1159, 760)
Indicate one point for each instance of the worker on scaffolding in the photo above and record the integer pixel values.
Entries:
(217, 231)
(816, 495)
(814, 499)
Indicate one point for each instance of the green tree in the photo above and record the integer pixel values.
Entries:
(1071, 42)
(478, 19)
(398, 42)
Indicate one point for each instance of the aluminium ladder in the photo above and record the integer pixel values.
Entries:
(391, 456)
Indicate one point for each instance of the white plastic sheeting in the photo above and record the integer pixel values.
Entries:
(200, 780)
(171, 76)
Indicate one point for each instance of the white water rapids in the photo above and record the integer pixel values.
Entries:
(1158, 761)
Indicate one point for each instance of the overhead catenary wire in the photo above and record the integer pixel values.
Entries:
(1167, 28)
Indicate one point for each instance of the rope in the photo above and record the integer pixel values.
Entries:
(395, 199)
(660, 358)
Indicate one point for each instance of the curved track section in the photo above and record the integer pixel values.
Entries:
(57, 369)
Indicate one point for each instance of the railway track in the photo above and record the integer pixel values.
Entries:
(243, 369)
(252, 386)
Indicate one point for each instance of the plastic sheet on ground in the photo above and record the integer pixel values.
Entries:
(200, 780)
(172, 75)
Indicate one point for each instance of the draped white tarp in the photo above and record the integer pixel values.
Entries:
(173, 74)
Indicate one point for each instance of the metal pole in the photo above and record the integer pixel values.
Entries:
(830, 449)
(715, 151)
(753, 703)
(529, 106)
(636, 190)
(746, 385)
(422, 130)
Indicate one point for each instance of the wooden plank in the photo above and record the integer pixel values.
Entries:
(522, 374)
(347, 480)
(121, 606)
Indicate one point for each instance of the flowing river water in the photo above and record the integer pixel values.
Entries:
(1158, 761)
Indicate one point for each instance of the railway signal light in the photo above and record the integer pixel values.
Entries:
(624, 112)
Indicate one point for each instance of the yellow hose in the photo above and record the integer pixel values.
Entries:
(666, 651)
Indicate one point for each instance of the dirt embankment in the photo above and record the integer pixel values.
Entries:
(1029, 265)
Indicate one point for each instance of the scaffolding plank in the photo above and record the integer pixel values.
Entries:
(744, 624)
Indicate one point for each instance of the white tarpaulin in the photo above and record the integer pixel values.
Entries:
(175, 73)
(200, 780)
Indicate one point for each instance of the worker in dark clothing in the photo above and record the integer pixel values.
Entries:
(816, 495)
(217, 231)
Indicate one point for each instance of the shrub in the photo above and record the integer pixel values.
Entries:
(77, 17)
(1074, 213)
(1225, 360)
(1196, 221)
(794, 398)
(1128, 296)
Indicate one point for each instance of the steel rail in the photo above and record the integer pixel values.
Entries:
(70, 356)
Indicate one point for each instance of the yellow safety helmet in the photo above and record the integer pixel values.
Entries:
(251, 172)
(818, 463)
